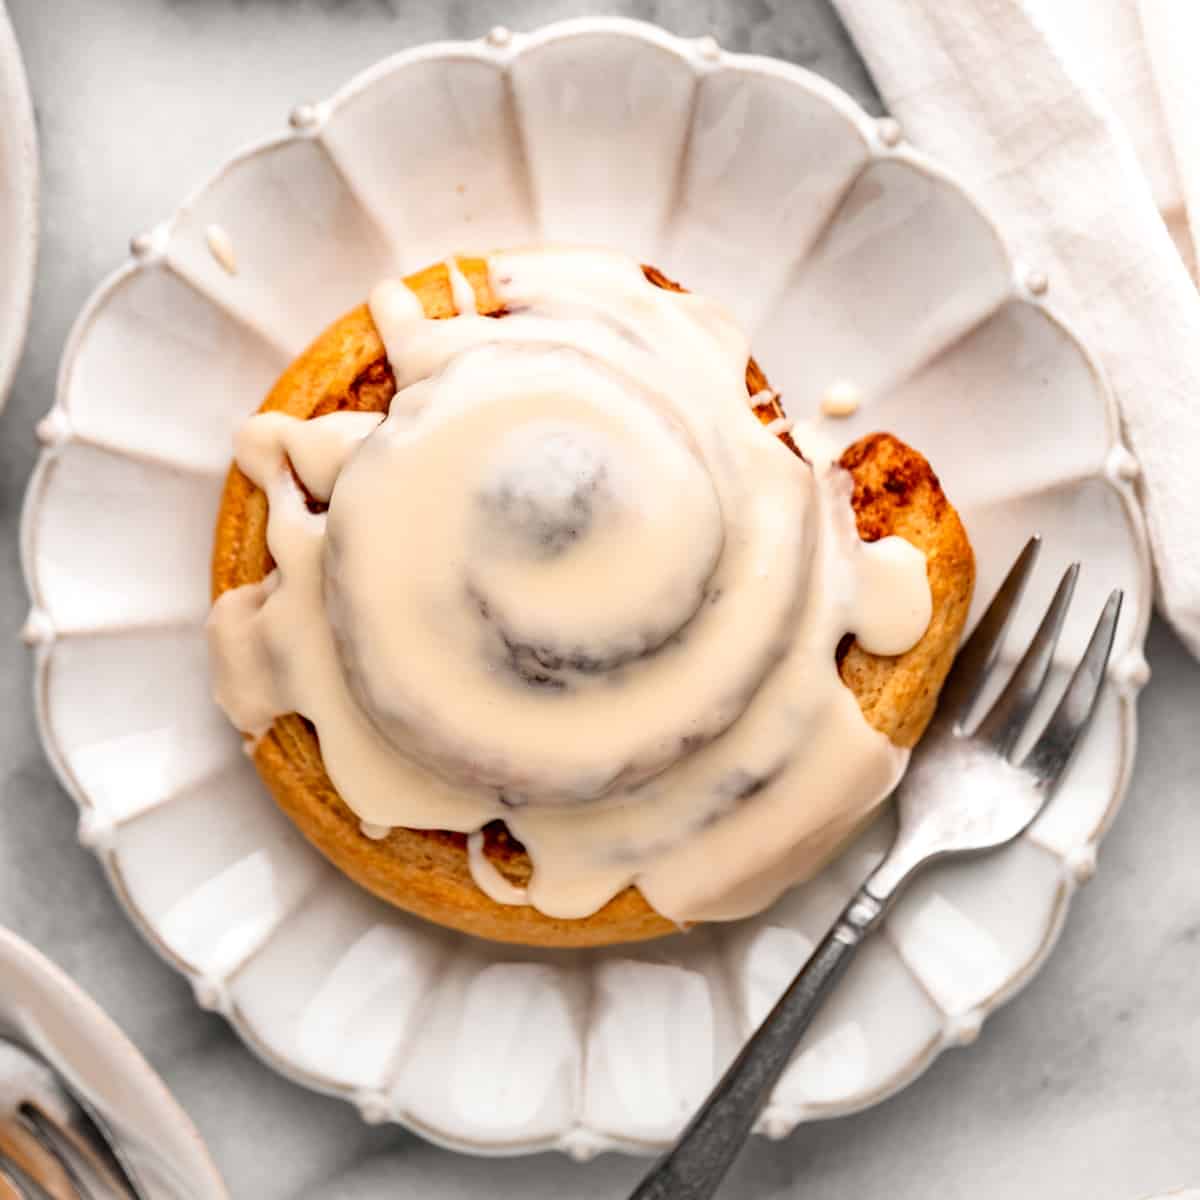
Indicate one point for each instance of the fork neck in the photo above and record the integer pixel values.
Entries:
(860, 916)
(886, 882)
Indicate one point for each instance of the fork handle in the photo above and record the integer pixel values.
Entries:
(694, 1167)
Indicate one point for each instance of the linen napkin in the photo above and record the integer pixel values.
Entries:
(1075, 122)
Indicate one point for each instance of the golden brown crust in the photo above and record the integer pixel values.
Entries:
(896, 492)
(426, 871)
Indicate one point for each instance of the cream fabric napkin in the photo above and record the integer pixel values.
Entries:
(1076, 122)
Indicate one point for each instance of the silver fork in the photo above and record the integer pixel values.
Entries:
(51, 1146)
(938, 817)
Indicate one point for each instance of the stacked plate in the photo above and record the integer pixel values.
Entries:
(44, 1010)
(18, 204)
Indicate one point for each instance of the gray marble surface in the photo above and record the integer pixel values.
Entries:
(1087, 1086)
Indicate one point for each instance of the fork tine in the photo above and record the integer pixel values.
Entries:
(1052, 750)
(54, 1143)
(978, 653)
(65, 1125)
(1003, 723)
(15, 1182)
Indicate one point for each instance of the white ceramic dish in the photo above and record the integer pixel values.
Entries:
(42, 1008)
(18, 203)
(849, 255)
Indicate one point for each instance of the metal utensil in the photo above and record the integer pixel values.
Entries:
(942, 812)
(51, 1145)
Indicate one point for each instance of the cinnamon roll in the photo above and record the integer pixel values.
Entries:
(546, 625)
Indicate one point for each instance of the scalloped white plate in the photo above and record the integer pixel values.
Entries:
(849, 256)
(18, 203)
(43, 1009)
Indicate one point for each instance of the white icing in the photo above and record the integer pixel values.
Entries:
(461, 290)
(841, 399)
(220, 246)
(488, 878)
(317, 450)
(571, 582)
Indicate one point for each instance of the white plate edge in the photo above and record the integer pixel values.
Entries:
(883, 141)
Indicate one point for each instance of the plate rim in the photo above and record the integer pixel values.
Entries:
(883, 141)
(16, 100)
